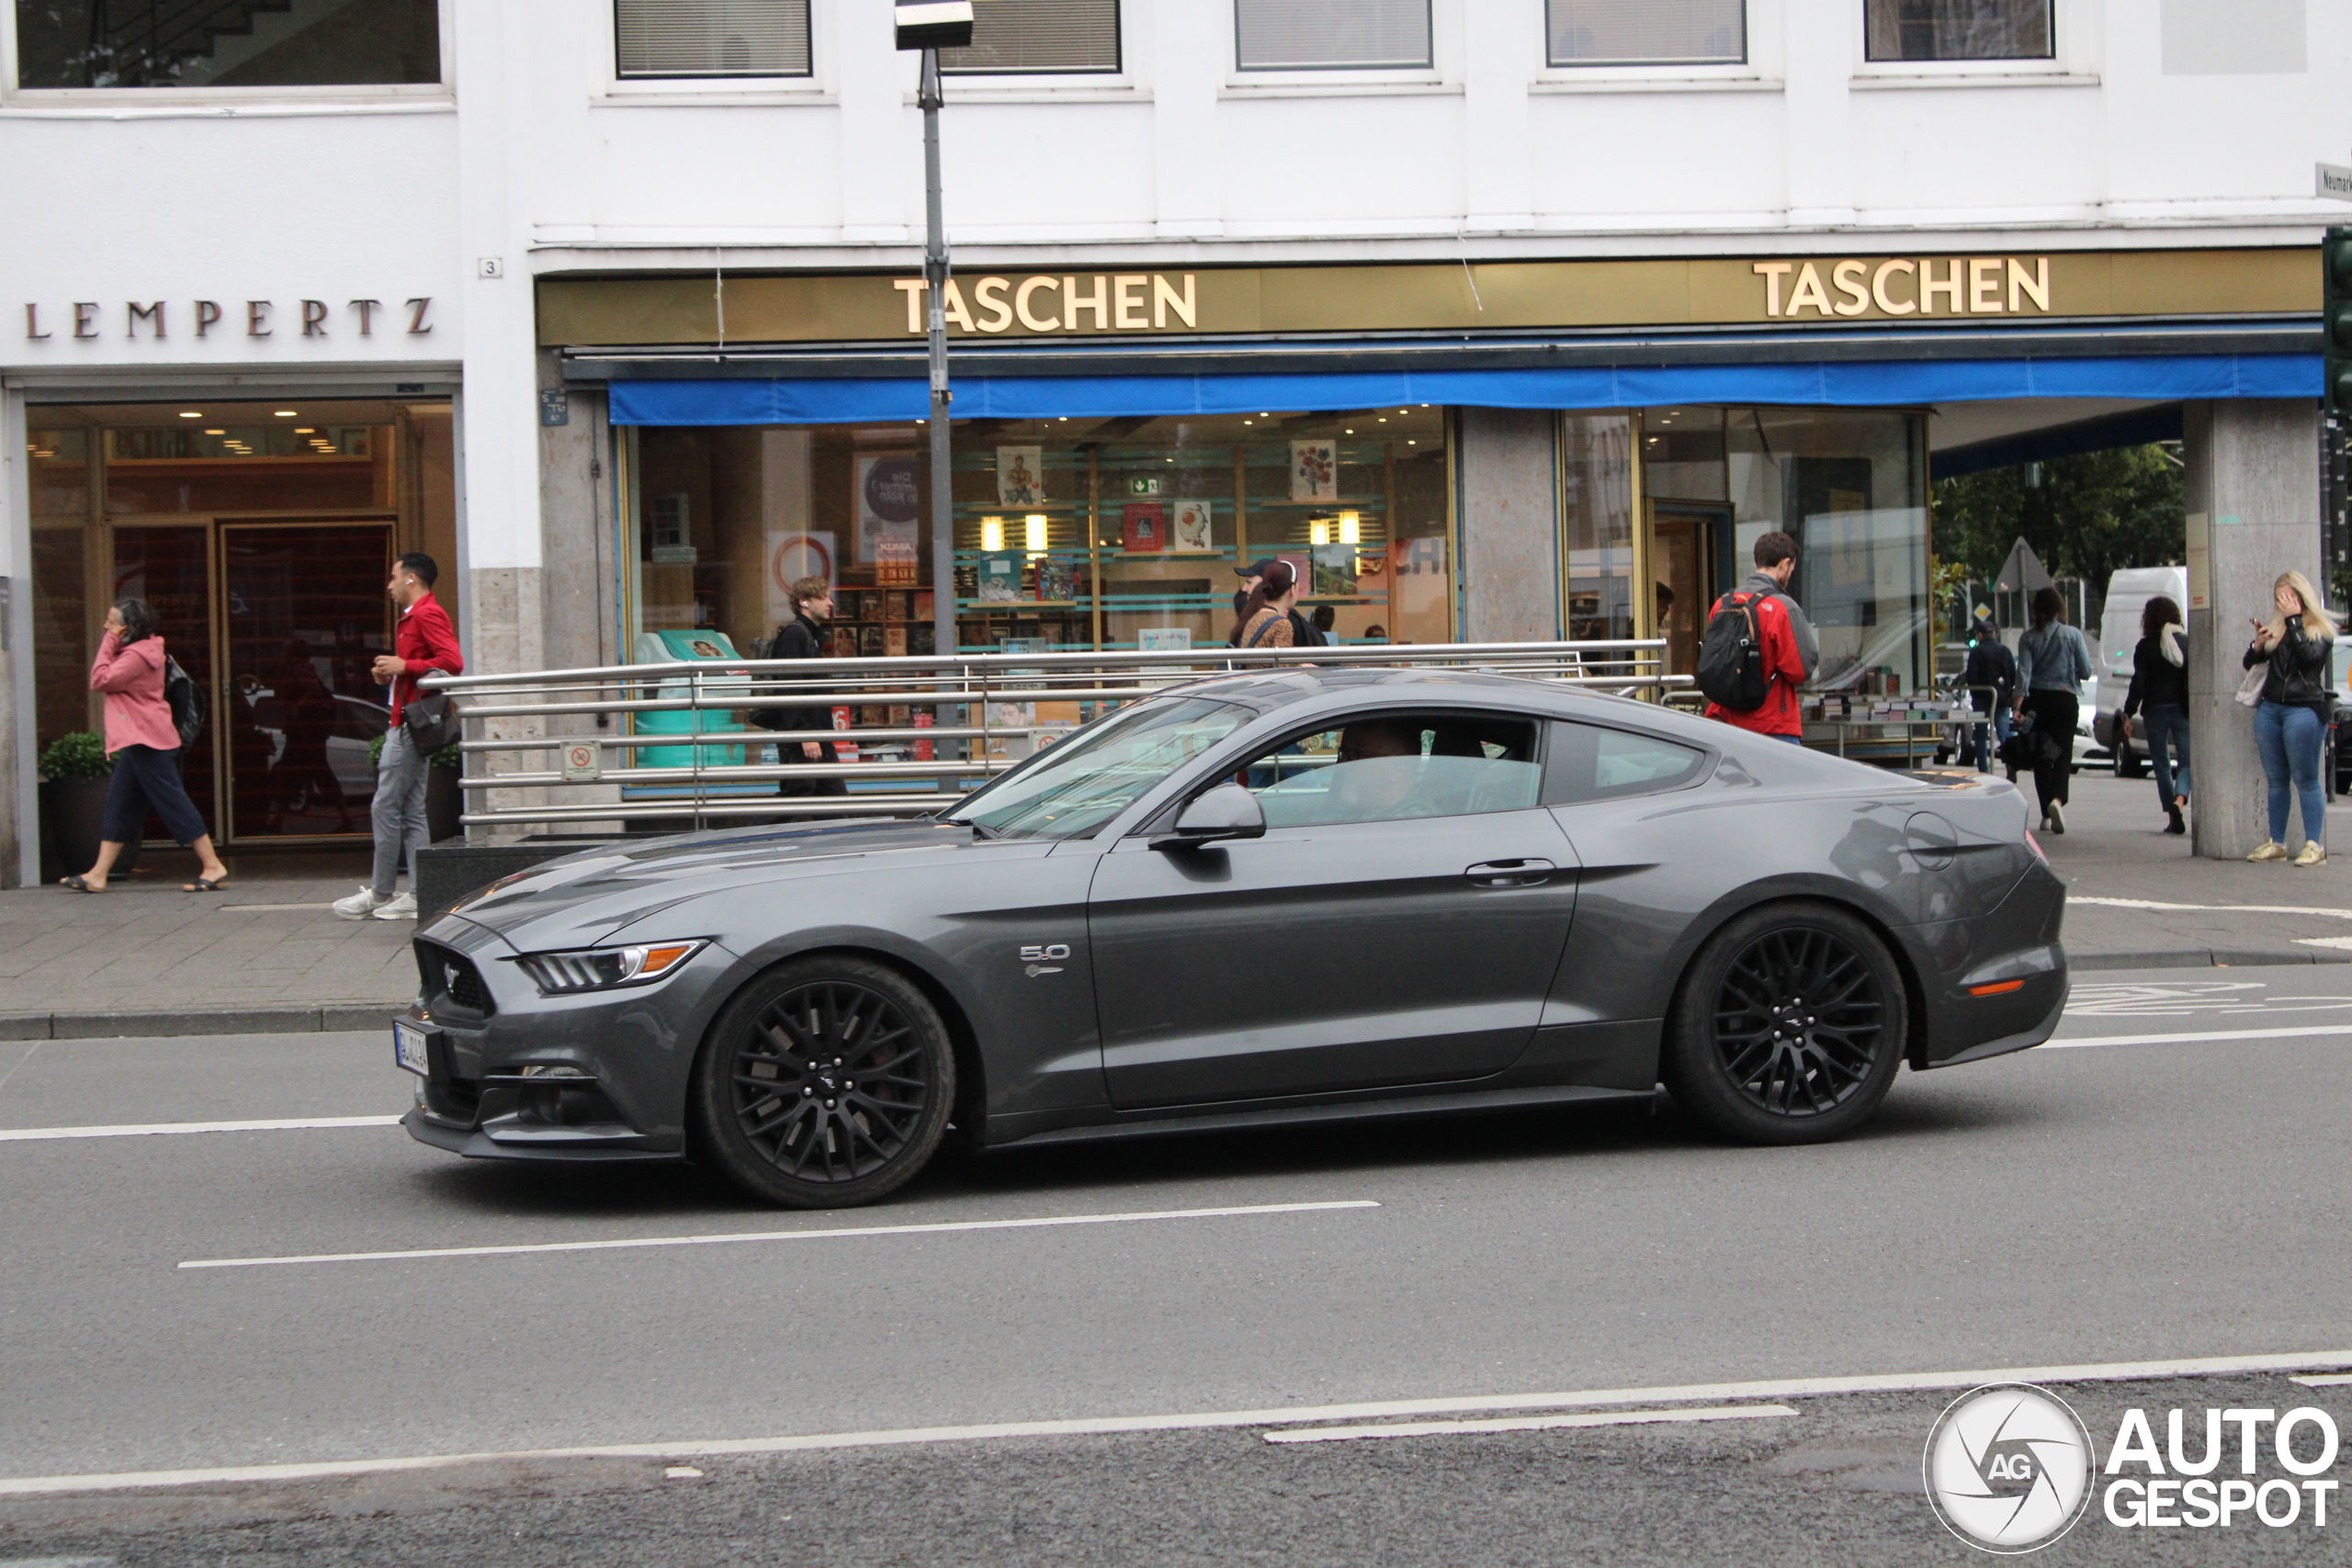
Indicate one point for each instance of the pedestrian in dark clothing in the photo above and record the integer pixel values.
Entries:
(2053, 663)
(2290, 721)
(1991, 677)
(803, 636)
(2160, 688)
(145, 746)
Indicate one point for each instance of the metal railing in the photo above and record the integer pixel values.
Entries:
(675, 746)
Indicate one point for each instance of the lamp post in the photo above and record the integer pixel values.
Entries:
(930, 25)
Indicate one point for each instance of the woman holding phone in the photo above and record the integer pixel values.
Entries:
(2290, 721)
(145, 746)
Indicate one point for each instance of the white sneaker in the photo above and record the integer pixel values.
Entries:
(360, 905)
(402, 908)
(2057, 818)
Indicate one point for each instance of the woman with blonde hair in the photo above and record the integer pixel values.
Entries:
(2291, 720)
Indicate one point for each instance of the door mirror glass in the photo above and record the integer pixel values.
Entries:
(1228, 811)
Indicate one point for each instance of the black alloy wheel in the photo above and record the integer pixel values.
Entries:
(1789, 1027)
(826, 1083)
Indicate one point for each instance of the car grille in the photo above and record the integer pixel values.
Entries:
(450, 980)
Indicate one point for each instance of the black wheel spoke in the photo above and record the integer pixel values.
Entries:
(831, 1081)
(1800, 1021)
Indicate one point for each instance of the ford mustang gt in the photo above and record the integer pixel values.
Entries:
(1270, 898)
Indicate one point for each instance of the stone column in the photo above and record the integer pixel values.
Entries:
(2253, 474)
(1508, 493)
(19, 815)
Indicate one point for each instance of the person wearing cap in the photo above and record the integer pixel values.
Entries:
(1992, 679)
(1269, 616)
(1302, 632)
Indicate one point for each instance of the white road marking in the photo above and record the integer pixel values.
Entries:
(258, 908)
(1783, 1388)
(833, 1234)
(152, 1128)
(2213, 908)
(2196, 1034)
(1524, 1423)
(2180, 998)
(2326, 1380)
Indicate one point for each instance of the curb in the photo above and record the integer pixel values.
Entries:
(174, 1022)
(2198, 958)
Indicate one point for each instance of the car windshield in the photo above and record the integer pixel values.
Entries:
(1073, 788)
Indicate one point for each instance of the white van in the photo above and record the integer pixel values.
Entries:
(2128, 593)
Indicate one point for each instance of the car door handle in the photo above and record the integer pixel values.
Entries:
(1527, 872)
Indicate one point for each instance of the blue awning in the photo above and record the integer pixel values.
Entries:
(1864, 384)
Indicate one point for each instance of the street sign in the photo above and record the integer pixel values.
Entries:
(2333, 179)
(583, 763)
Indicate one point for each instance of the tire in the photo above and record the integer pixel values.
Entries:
(826, 1083)
(1725, 1065)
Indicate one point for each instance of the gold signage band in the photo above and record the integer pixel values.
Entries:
(1449, 296)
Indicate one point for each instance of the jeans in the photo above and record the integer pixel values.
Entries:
(144, 779)
(2167, 729)
(2289, 738)
(398, 812)
(1988, 736)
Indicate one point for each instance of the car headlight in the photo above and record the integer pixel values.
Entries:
(606, 968)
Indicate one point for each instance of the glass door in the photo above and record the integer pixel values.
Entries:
(304, 616)
(1683, 544)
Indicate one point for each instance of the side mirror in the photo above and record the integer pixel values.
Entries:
(1228, 811)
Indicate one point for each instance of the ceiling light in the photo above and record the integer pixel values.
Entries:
(1412, 443)
(185, 415)
(1318, 532)
(991, 533)
(1351, 529)
(290, 413)
(216, 433)
(1351, 431)
(305, 430)
(1249, 422)
(1033, 528)
(1384, 418)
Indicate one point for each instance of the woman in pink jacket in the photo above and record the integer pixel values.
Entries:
(145, 746)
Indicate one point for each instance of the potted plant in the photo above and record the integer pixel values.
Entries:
(74, 774)
(443, 801)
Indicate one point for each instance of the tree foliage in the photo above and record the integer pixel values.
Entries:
(2085, 516)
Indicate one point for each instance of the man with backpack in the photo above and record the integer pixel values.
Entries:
(1759, 649)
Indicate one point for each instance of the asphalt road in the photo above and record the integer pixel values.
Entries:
(2154, 1197)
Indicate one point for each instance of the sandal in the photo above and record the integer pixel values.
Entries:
(78, 885)
(205, 885)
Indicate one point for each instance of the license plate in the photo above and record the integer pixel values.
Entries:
(408, 1048)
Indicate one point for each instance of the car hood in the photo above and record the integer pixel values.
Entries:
(589, 896)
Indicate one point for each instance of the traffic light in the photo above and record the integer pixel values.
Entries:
(2336, 262)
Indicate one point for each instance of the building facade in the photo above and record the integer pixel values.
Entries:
(1503, 319)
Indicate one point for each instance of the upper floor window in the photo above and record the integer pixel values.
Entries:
(1037, 38)
(1956, 30)
(1327, 35)
(712, 37)
(1648, 32)
(227, 43)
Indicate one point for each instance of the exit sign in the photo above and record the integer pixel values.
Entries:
(1144, 484)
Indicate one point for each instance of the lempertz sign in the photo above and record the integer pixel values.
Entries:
(1671, 291)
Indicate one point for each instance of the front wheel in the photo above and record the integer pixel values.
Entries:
(826, 1083)
(1789, 1026)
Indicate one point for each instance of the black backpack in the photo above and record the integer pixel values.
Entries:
(1731, 654)
(186, 700)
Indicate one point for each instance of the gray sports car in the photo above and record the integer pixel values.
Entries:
(1253, 901)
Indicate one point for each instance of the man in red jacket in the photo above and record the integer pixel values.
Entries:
(1791, 651)
(423, 644)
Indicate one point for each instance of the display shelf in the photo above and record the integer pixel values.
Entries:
(1009, 605)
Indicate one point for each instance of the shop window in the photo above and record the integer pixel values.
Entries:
(1324, 34)
(1648, 32)
(1597, 524)
(1956, 30)
(712, 37)
(239, 43)
(1037, 38)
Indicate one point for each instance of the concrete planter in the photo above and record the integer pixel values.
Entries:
(72, 813)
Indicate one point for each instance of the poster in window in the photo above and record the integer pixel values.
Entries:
(1188, 527)
(894, 560)
(1314, 470)
(889, 503)
(1019, 476)
(1057, 581)
(1000, 576)
(793, 554)
(1335, 572)
(1145, 526)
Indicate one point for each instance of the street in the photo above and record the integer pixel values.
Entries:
(2164, 1183)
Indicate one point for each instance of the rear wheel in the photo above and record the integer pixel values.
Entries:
(1789, 1026)
(826, 1083)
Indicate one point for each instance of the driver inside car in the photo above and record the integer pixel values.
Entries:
(1373, 779)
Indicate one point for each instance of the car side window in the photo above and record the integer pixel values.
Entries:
(1591, 761)
(1396, 767)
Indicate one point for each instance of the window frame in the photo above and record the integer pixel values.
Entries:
(352, 95)
(1245, 73)
(1760, 71)
(1746, 50)
(1033, 78)
(622, 84)
(2069, 63)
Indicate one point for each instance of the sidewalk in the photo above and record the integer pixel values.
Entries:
(263, 955)
(266, 954)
